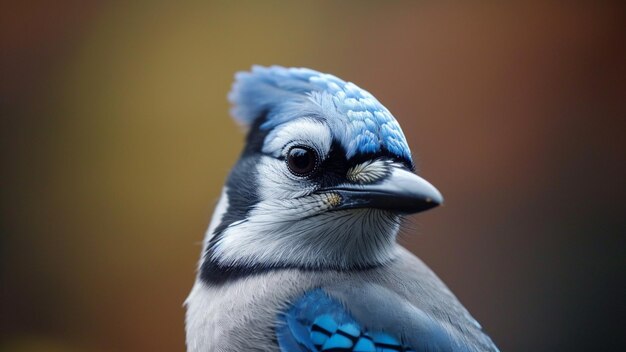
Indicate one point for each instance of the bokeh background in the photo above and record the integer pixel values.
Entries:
(116, 140)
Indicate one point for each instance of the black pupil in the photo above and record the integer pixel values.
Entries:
(301, 160)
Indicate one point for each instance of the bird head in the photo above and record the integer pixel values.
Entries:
(323, 181)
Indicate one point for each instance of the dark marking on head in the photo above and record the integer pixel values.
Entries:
(383, 153)
(242, 188)
(334, 168)
(256, 137)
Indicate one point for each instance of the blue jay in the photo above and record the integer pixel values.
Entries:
(301, 252)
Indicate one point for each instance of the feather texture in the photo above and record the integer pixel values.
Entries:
(316, 322)
(404, 299)
(360, 122)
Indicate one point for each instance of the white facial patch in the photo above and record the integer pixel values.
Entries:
(220, 209)
(302, 232)
(277, 182)
(305, 131)
(218, 213)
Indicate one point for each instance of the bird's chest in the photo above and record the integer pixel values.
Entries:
(241, 316)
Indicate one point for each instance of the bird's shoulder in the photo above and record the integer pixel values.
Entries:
(401, 307)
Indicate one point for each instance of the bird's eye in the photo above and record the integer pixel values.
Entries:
(302, 161)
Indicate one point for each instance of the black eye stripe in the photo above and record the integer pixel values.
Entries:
(332, 168)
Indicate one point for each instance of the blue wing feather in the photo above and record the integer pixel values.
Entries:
(293, 336)
(317, 322)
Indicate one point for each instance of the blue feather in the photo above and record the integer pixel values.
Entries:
(360, 123)
(316, 323)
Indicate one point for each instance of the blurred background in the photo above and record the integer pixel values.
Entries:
(116, 140)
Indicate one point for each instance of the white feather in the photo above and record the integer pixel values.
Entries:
(308, 131)
(304, 232)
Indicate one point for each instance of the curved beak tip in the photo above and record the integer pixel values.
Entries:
(436, 199)
(432, 201)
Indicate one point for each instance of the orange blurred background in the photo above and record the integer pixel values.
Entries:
(116, 140)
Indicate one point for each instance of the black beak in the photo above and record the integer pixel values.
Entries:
(401, 191)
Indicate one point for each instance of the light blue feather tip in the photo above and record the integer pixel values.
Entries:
(360, 123)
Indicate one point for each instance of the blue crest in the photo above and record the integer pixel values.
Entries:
(357, 120)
